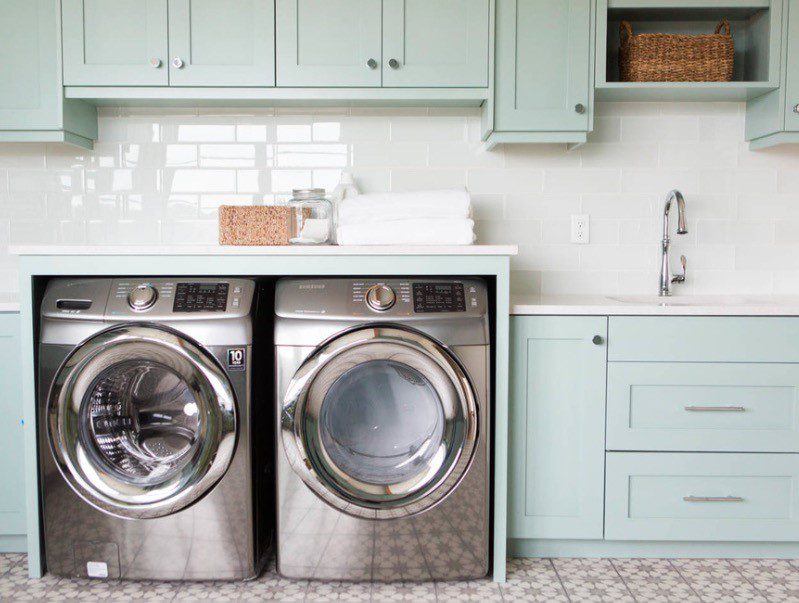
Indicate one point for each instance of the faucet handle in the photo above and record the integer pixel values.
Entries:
(680, 278)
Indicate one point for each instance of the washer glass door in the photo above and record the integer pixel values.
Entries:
(141, 421)
(380, 422)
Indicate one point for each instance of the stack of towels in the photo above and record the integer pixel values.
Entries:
(419, 218)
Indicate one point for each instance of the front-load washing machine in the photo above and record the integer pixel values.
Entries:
(383, 428)
(145, 421)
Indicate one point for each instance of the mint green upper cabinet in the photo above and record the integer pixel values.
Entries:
(557, 427)
(213, 43)
(29, 83)
(435, 44)
(328, 43)
(116, 42)
(12, 493)
(792, 72)
(543, 66)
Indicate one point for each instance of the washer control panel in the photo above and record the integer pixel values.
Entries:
(201, 297)
(439, 297)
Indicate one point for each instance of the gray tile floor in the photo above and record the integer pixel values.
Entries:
(571, 580)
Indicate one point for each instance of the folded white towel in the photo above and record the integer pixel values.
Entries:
(433, 231)
(384, 207)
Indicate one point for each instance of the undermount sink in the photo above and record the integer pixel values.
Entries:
(698, 300)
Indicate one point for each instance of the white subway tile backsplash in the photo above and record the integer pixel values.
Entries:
(160, 175)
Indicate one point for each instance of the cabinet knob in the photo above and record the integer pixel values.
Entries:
(796, 108)
(579, 108)
(372, 64)
(156, 63)
(177, 62)
(598, 340)
(394, 64)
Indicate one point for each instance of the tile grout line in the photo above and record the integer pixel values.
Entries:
(557, 575)
(623, 581)
(748, 581)
(684, 579)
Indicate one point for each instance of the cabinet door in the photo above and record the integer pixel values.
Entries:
(229, 43)
(328, 43)
(792, 72)
(115, 42)
(29, 84)
(12, 493)
(557, 434)
(543, 65)
(435, 44)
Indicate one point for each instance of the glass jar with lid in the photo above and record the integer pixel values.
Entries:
(311, 217)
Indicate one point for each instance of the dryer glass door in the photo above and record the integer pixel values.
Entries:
(380, 422)
(141, 421)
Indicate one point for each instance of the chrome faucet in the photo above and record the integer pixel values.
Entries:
(665, 269)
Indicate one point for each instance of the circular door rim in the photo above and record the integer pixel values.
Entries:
(89, 479)
(435, 489)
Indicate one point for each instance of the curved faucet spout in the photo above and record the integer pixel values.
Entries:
(665, 269)
(681, 227)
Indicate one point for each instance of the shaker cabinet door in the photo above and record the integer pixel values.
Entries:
(115, 42)
(213, 43)
(543, 65)
(29, 83)
(557, 434)
(435, 44)
(328, 43)
(12, 462)
(792, 73)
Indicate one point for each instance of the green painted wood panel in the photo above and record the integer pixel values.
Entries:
(543, 65)
(435, 44)
(229, 43)
(29, 82)
(112, 42)
(557, 436)
(646, 496)
(328, 43)
(703, 339)
(12, 459)
(682, 406)
(792, 69)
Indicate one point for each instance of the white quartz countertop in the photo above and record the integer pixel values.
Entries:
(294, 250)
(645, 305)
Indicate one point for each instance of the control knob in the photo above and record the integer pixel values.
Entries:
(142, 297)
(380, 298)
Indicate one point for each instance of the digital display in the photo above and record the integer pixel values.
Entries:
(200, 297)
(438, 297)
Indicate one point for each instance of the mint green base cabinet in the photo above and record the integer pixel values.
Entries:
(544, 71)
(32, 104)
(12, 454)
(115, 42)
(557, 434)
(229, 43)
(702, 496)
(436, 44)
(329, 42)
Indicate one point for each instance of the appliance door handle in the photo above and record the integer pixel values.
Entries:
(715, 408)
(736, 499)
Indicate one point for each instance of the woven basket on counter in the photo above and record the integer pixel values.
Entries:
(675, 57)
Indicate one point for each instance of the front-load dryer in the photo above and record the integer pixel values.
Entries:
(383, 428)
(145, 414)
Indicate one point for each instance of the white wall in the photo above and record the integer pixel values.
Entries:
(159, 176)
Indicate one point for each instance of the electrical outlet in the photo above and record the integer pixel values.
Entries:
(581, 228)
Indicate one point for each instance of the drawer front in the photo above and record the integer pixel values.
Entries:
(702, 497)
(703, 339)
(703, 407)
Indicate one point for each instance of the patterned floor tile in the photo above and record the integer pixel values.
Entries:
(273, 588)
(145, 590)
(779, 591)
(532, 569)
(766, 569)
(404, 591)
(646, 569)
(209, 591)
(662, 590)
(598, 590)
(352, 592)
(77, 589)
(732, 589)
(9, 560)
(15, 585)
(704, 569)
(533, 591)
(584, 569)
(474, 590)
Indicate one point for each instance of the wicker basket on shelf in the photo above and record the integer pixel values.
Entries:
(675, 57)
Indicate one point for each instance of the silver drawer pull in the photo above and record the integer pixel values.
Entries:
(712, 499)
(715, 408)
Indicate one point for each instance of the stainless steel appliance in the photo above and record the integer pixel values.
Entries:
(145, 419)
(383, 421)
